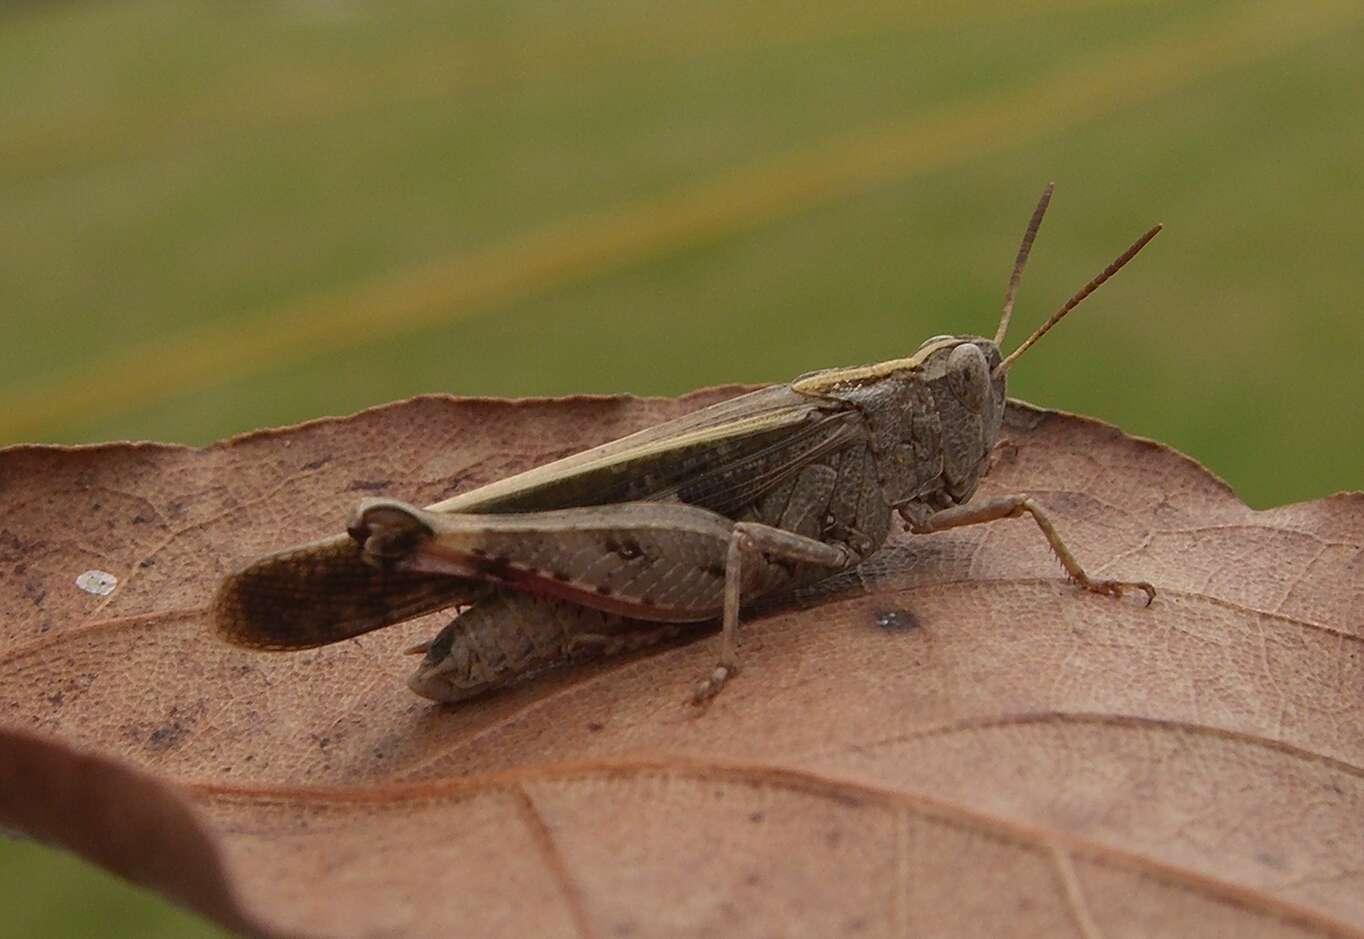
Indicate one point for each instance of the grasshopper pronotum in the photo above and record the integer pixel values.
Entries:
(612, 548)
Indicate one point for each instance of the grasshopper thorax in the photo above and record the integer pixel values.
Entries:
(932, 417)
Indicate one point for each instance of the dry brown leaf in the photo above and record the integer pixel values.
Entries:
(950, 742)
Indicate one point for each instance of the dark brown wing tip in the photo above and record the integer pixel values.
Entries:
(261, 607)
(322, 593)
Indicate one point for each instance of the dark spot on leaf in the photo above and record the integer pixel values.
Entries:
(316, 464)
(146, 563)
(35, 591)
(561, 575)
(715, 570)
(756, 817)
(900, 620)
(604, 590)
(595, 726)
(166, 736)
(17, 546)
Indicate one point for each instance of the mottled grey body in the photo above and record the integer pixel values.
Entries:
(610, 548)
(914, 440)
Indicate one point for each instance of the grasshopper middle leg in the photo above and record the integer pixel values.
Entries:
(1013, 507)
(750, 538)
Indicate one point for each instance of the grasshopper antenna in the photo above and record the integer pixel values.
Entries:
(1024, 249)
(1075, 301)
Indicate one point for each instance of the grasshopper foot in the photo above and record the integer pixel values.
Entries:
(1119, 587)
(1116, 588)
(707, 690)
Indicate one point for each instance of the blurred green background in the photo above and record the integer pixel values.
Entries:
(216, 217)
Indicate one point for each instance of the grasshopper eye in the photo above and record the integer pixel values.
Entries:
(969, 376)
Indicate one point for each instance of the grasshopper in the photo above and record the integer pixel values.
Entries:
(619, 546)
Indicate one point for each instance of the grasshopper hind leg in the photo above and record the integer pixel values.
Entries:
(511, 636)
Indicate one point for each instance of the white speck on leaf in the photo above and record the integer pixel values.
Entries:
(100, 583)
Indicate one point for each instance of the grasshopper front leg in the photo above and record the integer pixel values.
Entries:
(655, 562)
(1013, 507)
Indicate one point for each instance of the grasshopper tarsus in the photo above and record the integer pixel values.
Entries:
(707, 690)
(1115, 588)
(1144, 586)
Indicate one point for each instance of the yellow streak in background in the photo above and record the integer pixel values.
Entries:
(441, 290)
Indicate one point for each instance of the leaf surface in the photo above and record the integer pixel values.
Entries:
(949, 741)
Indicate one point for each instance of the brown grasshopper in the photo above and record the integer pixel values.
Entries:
(615, 547)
